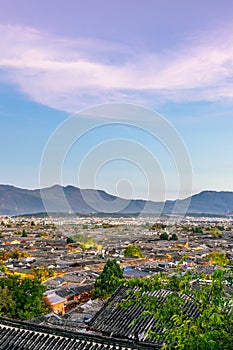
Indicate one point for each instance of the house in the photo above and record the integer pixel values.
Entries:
(68, 297)
(56, 302)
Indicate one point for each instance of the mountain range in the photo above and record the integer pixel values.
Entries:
(59, 199)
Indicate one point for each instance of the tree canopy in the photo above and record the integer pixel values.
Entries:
(174, 237)
(84, 241)
(132, 250)
(164, 236)
(43, 273)
(211, 328)
(22, 298)
(214, 231)
(218, 258)
(109, 279)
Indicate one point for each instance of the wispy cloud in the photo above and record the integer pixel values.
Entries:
(69, 74)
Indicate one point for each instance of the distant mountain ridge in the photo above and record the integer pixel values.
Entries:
(18, 201)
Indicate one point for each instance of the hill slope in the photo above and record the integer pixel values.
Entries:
(17, 201)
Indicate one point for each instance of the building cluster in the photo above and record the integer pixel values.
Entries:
(46, 247)
(43, 246)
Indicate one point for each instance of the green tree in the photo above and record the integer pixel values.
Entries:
(70, 240)
(183, 259)
(132, 250)
(16, 254)
(7, 302)
(174, 237)
(109, 279)
(3, 268)
(211, 328)
(4, 256)
(43, 273)
(220, 227)
(197, 229)
(164, 236)
(158, 226)
(84, 241)
(214, 231)
(25, 297)
(218, 258)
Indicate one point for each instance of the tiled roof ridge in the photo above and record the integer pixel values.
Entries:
(81, 336)
(119, 322)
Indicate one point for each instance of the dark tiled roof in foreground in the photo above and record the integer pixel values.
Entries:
(16, 335)
(113, 319)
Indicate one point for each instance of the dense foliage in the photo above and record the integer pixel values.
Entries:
(43, 273)
(218, 258)
(16, 254)
(158, 226)
(177, 327)
(22, 298)
(164, 236)
(197, 229)
(132, 250)
(214, 231)
(174, 237)
(84, 241)
(109, 279)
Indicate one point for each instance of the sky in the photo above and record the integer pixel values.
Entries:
(162, 70)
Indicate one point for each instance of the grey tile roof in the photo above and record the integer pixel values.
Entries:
(135, 273)
(113, 319)
(16, 335)
(54, 298)
(73, 290)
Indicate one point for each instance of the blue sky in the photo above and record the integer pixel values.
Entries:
(172, 56)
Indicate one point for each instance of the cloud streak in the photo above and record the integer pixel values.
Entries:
(71, 74)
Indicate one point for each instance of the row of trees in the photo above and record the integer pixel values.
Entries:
(165, 236)
(16, 254)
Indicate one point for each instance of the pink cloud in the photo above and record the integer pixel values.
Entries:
(68, 74)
